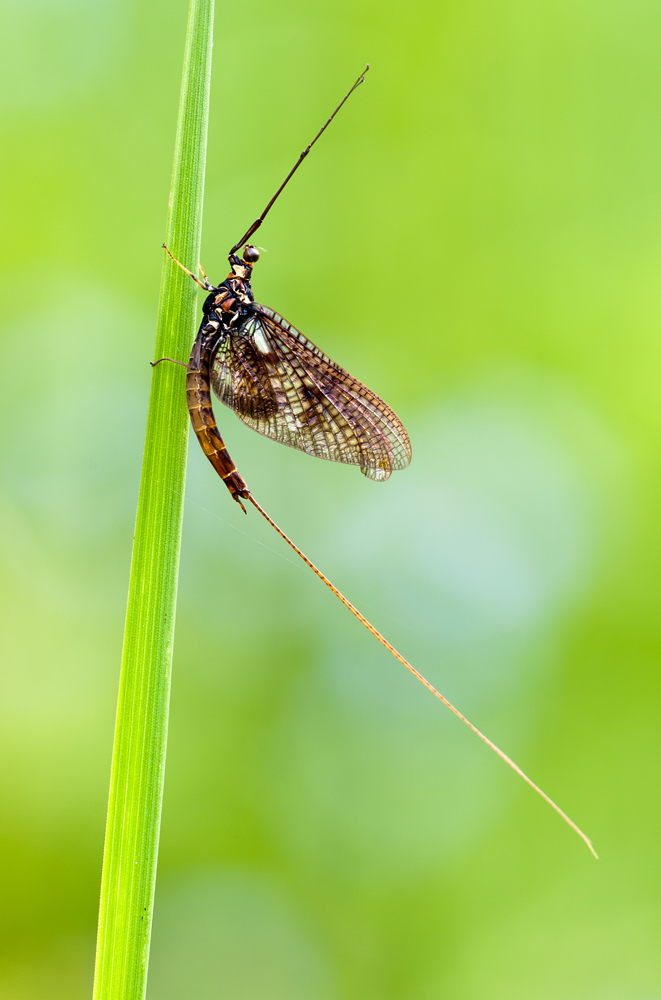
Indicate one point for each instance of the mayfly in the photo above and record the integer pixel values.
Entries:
(282, 386)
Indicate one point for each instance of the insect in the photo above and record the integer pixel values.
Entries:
(278, 382)
(281, 384)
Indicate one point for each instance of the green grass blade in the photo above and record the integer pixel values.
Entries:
(136, 785)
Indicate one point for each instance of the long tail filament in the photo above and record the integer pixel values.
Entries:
(423, 680)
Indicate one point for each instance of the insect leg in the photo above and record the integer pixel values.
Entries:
(182, 363)
(206, 284)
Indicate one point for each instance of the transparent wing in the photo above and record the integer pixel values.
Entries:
(281, 384)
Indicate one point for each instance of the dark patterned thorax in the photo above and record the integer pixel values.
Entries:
(232, 298)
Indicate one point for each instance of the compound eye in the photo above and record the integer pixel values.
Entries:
(250, 254)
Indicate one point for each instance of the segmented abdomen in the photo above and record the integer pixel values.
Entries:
(204, 424)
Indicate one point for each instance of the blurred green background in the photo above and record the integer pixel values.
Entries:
(478, 238)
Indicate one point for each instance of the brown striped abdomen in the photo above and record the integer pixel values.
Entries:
(198, 397)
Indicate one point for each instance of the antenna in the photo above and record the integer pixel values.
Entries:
(257, 223)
